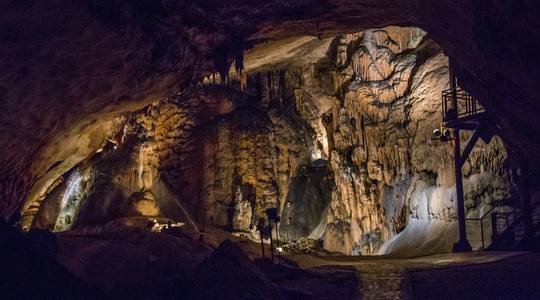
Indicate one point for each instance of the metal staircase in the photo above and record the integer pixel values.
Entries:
(480, 230)
(467, 109)
(510, 224)
(509, 228)
(503, 227)
(460, 111)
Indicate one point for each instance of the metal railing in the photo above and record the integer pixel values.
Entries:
(466, 105)
(501, 222)
(483, 231)
(509, 227)
(478, 233)
(506, 219)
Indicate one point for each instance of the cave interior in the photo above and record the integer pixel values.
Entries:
(143, 143)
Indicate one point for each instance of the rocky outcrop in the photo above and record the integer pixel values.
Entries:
(386, 103)
(306, 208)
(119, 180)
(222, 273)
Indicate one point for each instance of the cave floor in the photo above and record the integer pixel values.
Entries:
(476, 275)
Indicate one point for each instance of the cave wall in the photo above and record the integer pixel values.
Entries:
(373, 102)
(68, 65)
(339, 141)
(213, 153)
(120, 180)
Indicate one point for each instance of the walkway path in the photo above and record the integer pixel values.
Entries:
(387, 278)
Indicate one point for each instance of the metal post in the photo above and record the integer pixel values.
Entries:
(482, 232)
(493, 226)
(527, 207)
(271, 242)
(204, 220)
(277, 241)
(463, 244)
(453, 103)
(261, 224)
(453, 109)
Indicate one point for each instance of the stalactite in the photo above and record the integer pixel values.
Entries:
(228, 53)
(239, 59)
(222, 62)
(243, 81)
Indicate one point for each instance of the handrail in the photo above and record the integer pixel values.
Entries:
(498, 203)
(517, 212)
(472, 107)
(504, 215)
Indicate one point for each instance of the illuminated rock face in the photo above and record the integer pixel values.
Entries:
(211, 150)
(338, 139)
(373, 103)
(69, 68)
(119, 180)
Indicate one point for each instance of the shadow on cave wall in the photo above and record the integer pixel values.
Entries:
(306, 206)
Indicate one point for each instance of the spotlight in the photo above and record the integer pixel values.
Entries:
(447, 133)
(444, 136)
(114, 147)
(280, 249)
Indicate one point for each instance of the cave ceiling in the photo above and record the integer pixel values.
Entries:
(72, 66)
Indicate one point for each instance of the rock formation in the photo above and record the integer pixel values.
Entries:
(338, 139)
(71, 67)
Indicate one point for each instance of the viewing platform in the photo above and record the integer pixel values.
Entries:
(460, 110)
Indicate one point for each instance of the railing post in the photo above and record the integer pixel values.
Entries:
(443, 105)
(482, 232)
(271, 240)
(260, 226)
(525, 196)
(494, 232)
(453, 103)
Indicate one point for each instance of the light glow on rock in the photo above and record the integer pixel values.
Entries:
(69, 204)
